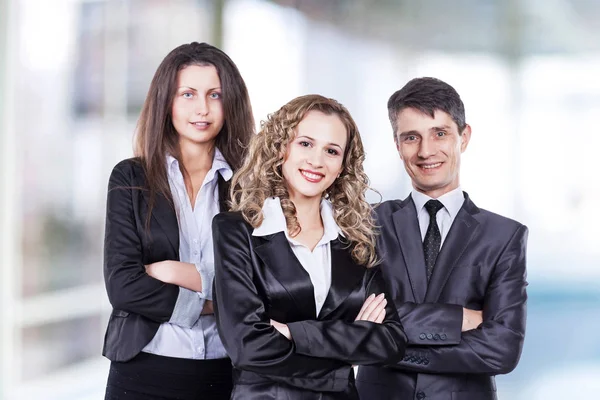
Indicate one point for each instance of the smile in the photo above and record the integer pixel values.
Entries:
(312, 176)
(430, 166)
(200, 124)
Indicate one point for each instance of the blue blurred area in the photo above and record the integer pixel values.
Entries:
(74, 73)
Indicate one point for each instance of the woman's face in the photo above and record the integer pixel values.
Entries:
(314, 158)
(197, 111)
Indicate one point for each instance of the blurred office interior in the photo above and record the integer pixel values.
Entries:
(74, 74)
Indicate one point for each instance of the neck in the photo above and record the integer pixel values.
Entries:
(308, 212)
(196, 157)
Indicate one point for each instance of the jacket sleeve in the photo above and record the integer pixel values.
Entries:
(495, 346)
(358, 342)
(244, 327)
(128, 286)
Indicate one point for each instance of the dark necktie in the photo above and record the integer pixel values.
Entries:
(433, 237)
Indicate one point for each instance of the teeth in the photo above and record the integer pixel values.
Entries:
(201, 123)
(430, 166)
(311, 176)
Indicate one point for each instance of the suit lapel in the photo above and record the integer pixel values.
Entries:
(460, 235)
(407, 229)
(223, 189)
(345, 276)
(276, 253)
(162, 212)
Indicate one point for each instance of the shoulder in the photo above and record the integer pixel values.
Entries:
(128, 169)
(387, 208)
(501, 225)
(230, 220)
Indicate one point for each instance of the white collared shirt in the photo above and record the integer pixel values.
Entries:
(189, 334)
(317, 262)
(452, 202)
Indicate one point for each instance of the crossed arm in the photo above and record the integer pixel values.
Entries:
(494, 345)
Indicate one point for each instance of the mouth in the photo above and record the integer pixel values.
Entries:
(430, 166)
(200, 124)
(313, 177)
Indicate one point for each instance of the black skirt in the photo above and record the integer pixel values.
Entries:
(151, 377)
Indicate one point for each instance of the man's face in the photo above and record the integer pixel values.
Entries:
(430, 149)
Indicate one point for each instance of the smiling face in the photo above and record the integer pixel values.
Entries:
(197, 111)
(315, 156)
(430, 149)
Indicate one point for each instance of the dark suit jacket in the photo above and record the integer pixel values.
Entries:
(258, 279)
(140, 302)
(481, 266)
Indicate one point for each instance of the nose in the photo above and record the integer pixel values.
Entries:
(201, 107)
(427, 148)
(315, 158)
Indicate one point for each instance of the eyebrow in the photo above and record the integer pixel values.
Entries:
(440, 128)
(195, 90)
(407, 133)
(329, 144)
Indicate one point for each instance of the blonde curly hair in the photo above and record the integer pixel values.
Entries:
(261, 176)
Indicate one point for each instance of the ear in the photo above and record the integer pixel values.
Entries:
(398, 148)
(465, 138)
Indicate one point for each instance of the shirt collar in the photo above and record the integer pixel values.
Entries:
(274, 220)
(452, 201)
(219, 165)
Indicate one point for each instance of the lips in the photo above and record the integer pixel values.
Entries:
(311, 176)
(201, 125)
(430, 166)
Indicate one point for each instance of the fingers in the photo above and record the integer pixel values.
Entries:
(372, 308)
(368, 301)
(380, 316)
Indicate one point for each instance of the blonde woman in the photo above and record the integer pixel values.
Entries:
(296, 298)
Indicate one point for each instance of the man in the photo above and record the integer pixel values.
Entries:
(455, 272)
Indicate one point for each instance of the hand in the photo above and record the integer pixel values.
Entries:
(161, 270)
(208, 308)
(283, 329)
(373, 309)
(177, 273)
(471, 319)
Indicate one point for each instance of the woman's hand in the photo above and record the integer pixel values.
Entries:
(176, 272)
(373, 309)
(282, 328)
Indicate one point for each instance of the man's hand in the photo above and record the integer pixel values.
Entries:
(373, 309)
(471, 319)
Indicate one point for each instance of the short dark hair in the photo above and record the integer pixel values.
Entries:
(427, 95)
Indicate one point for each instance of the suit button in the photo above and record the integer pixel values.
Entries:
(429, 336)
(443, 336)
(436, 337)
(422, 336)
(421, 395)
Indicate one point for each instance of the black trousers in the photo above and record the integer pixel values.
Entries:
(151, 377)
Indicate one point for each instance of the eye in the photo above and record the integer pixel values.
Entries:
(187, 95)
(410, 138)
(440, 134)
(304, 143)
(215, 95)
(333, 152)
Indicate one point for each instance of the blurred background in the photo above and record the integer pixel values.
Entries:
(74, 74)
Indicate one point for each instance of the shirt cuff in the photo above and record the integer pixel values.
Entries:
(207, 275)
(187, 308)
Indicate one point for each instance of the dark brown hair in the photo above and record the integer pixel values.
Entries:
(427, 95)
(155, 134)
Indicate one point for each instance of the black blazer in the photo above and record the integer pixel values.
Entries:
(481, 266)
(258, 279)
(140, 302)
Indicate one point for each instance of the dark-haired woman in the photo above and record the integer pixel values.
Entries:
(158, 251)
